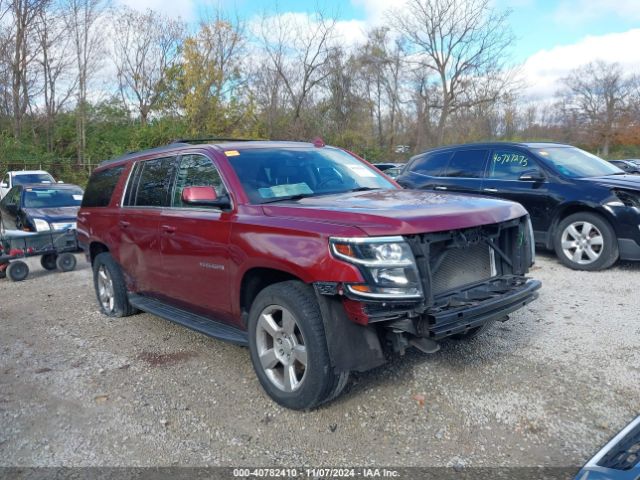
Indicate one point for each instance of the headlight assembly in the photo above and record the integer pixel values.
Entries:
(41, 225)
(386, 263)
(626, 198)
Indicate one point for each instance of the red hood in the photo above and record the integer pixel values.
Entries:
(399, 212)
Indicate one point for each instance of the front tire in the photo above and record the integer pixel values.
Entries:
(110, 287)
(586, 241)
(288, 347)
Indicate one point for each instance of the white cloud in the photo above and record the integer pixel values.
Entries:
(577, 12)
(376, 10)
(543, 70)
(184, 9)
(347, 33)
(351, 32)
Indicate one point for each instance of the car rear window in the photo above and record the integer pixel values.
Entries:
(432, 164)
(467, 164)
(101, 186)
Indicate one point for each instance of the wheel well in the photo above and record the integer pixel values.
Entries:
(564, 213)
(95, 249)
(257, 279)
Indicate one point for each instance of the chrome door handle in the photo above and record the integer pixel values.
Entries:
(492, 190)
(123, 224)
(169, 228)
(439, 187)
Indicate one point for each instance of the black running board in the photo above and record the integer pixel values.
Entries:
(190, 320)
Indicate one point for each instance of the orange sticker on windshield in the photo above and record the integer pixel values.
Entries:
(232, 153)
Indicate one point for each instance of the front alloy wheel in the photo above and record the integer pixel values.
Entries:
(288, 347)
(586, 241)
(281, 348)
(582, 242)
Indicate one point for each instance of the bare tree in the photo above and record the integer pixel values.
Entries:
(83, 24)
(463, 43)
(146, 47)
(55, 59)
(382, 75)
(299, 53)
(596, 96)
(24, 15)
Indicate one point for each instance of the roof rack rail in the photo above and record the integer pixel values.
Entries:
(217, 139)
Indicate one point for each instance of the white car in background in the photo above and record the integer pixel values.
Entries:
(22, 177)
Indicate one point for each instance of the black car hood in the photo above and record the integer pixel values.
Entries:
(629, 182)
(56, 214)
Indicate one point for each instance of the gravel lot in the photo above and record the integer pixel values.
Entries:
(548, 387)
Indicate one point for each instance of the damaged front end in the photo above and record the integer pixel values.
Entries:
(420, 289)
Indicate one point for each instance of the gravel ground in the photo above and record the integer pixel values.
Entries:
(548, 387)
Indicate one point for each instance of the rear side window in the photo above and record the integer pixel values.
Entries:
(467, 164)
(101, 186)
(154, 182)
(432, 164)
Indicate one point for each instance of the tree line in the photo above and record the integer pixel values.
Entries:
(82, 81)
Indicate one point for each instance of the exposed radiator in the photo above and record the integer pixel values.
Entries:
(462, 266)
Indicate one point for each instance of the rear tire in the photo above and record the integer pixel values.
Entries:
(288, 347)
(586, 241)
(17, 271)
(110, 287)
(48, 261)
(66, 262)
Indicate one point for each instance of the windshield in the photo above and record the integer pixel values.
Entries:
(268, 175)
(52, 197)
(25, 178)
(576, 163)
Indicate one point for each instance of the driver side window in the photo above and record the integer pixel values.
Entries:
(196, 171)
(509, 165)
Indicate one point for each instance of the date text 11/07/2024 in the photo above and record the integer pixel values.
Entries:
(315, 472)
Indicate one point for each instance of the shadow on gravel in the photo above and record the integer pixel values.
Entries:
(551, 256)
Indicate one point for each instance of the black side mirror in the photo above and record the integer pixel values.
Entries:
(532, 176)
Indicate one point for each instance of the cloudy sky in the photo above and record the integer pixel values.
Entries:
(552, 37)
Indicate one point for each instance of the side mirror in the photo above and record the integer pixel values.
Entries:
(532, 176)
(4, 185)
(204, 197)
(60, 181)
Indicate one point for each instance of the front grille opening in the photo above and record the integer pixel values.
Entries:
(463, 266)
(625, 454)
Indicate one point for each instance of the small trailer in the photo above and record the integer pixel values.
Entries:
(55, 249)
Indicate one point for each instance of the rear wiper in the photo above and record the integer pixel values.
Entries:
(364, 189)
(289, 197)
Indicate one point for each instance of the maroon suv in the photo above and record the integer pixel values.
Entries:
(305, 253)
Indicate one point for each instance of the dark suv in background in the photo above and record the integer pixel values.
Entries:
(303, 252)
(583, 207)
